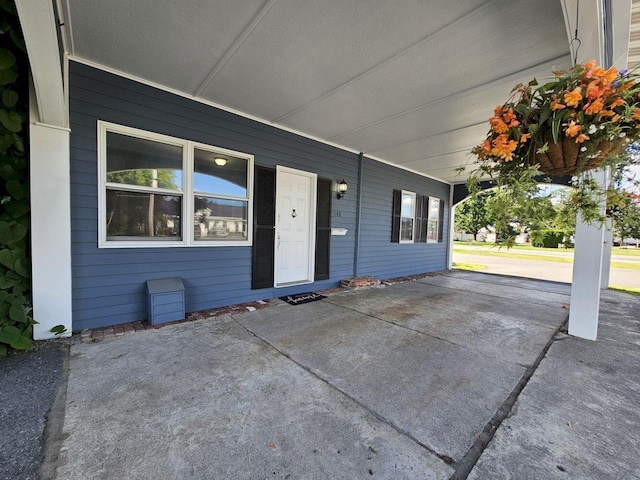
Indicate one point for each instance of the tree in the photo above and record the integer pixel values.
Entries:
(626, 218)
(165, 177)
(471, 214)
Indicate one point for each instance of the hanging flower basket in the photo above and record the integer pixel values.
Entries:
(581, 120)
(565, 157)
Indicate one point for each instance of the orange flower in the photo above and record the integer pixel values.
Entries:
(573, 98)
(617, 102)
(524, 137)
(581, 138)
(573, 129)
(590, 64)
(595, 107)
(626, 86)
(504, 148)
(636, 115)
(497, 125)
(555, 105)
(598, 72)
(486, 146)
(607, 113)
(594, 90)
(610, 75)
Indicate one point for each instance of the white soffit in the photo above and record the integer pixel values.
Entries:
(409, 82)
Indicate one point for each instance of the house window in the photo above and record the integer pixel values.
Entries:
(163, 191)
(407, 217)
(433, 220)
(416, 218)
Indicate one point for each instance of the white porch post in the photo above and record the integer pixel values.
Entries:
(49, 170)
(590, 273)
(452, 219)
(606, 255)
(587, 268)
(50, 229)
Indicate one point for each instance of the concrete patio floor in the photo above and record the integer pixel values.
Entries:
(406, 381)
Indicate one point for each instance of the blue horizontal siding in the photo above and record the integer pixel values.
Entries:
(109, 284)
(378, 255)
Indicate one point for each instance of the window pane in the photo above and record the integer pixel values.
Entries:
(406, 229)
(408, 205)
(219, 174)
(432, 230)
(136, 161)
(219, 219)
(434, 208)
(143, 215)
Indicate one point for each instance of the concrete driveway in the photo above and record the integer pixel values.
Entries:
(406, 381)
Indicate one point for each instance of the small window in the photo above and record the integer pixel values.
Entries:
(221, 203)
(433, 222)
(163, 191)
(407, 217)
(143, 189)
(416, 218)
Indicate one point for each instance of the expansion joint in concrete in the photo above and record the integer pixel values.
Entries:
(445, 458)
(482, 441)
(52, 436)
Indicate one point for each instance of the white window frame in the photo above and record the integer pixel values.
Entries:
(188, 194)
(413, 231)
(436, 220)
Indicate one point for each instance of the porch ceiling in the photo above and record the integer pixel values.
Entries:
(408, 82)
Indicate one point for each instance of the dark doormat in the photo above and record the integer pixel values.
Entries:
(301, 298)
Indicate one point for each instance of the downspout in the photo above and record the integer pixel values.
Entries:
(356, 256)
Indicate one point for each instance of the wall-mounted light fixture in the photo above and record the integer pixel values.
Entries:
(221, 162)
(342, 189)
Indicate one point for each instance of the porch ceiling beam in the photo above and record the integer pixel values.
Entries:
(40, 30)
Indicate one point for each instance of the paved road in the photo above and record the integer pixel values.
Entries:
(543, 270)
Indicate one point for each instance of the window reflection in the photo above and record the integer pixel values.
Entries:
(135, 214)
(220, 219)
(136, 161)
(219, 174)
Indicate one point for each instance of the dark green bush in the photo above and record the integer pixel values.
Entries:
(16, 322)
(546, 238)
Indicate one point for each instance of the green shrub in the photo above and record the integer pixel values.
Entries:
(546, 238)
(16, 323)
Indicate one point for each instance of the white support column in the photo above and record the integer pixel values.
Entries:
(606, 255)
(49, 165)
(50, 228)
(587, 268)
(452, 219)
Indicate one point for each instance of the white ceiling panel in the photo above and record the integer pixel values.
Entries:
(456, 112)
(433, 145)
(172, 43)
(307, 49)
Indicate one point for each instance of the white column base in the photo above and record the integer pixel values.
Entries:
(50, 229)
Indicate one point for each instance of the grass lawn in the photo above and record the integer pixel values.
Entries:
(629, 290)
(474, 267)
(504, 253)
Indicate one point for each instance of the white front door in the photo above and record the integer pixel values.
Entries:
(295, 226)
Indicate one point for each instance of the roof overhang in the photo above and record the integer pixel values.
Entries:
(408, 83)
